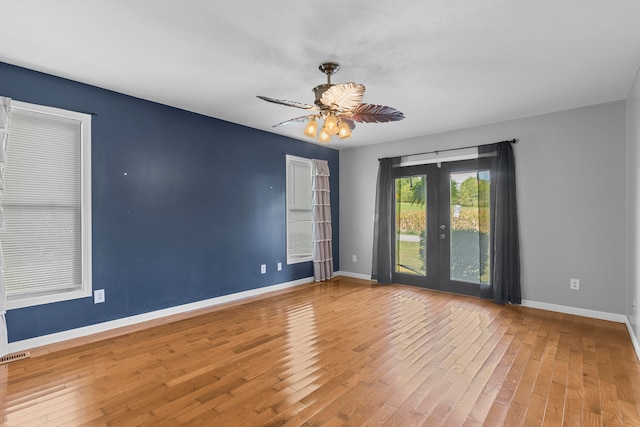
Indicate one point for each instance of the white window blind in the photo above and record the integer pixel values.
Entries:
(45, 244)
(299, 225)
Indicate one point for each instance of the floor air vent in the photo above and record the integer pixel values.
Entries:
(14, 356)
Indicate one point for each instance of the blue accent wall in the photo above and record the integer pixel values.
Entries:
(185, 207)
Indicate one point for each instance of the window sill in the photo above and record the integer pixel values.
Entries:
(40, 299)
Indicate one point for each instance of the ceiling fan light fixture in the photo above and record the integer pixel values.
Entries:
(324, 136)
(312, 128)
(344, 131)
(331, 124)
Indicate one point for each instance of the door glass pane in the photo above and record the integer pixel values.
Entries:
(469, 226)
(411, 225)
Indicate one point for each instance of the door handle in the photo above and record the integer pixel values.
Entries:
(443, 236)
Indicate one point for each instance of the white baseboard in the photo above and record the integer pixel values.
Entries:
(634, 341)
(354, 275)
(602, 315)
(31, 343)
(594, 314)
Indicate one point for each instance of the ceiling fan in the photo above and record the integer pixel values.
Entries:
(340, 106)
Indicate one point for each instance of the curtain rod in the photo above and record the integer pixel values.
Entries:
(513, 141)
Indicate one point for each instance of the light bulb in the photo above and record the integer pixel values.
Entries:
(344, 131)
(324, 136)
(330, 123)
(312, 128)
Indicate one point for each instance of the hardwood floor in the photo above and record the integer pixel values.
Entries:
(345, 352)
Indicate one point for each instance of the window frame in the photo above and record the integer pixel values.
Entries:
(86, 289)
(290, 182)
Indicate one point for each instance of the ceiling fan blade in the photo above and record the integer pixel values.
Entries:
(371, 113)
(297, 120)
(290, 103)
(346, 96)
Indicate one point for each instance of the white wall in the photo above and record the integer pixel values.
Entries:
(633, 204)
(571, 177)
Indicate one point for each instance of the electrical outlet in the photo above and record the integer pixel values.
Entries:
(279, 266)
(98, 296)
(263, 268)
(574, 284)
(355, 258)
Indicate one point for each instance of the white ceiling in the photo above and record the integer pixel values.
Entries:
(445, 64)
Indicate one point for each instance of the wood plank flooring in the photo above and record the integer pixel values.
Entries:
(346, 352)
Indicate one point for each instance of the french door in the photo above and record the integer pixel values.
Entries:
(442, 223)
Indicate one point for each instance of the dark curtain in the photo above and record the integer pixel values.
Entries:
(484, 227)
(505, 244)
(383, 225)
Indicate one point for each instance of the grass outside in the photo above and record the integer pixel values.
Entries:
(408, 258)
(465, 257)
(408, 207)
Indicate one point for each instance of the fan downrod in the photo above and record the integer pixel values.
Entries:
(329, 68)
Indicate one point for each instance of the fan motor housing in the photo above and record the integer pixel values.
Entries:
(318, 91)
